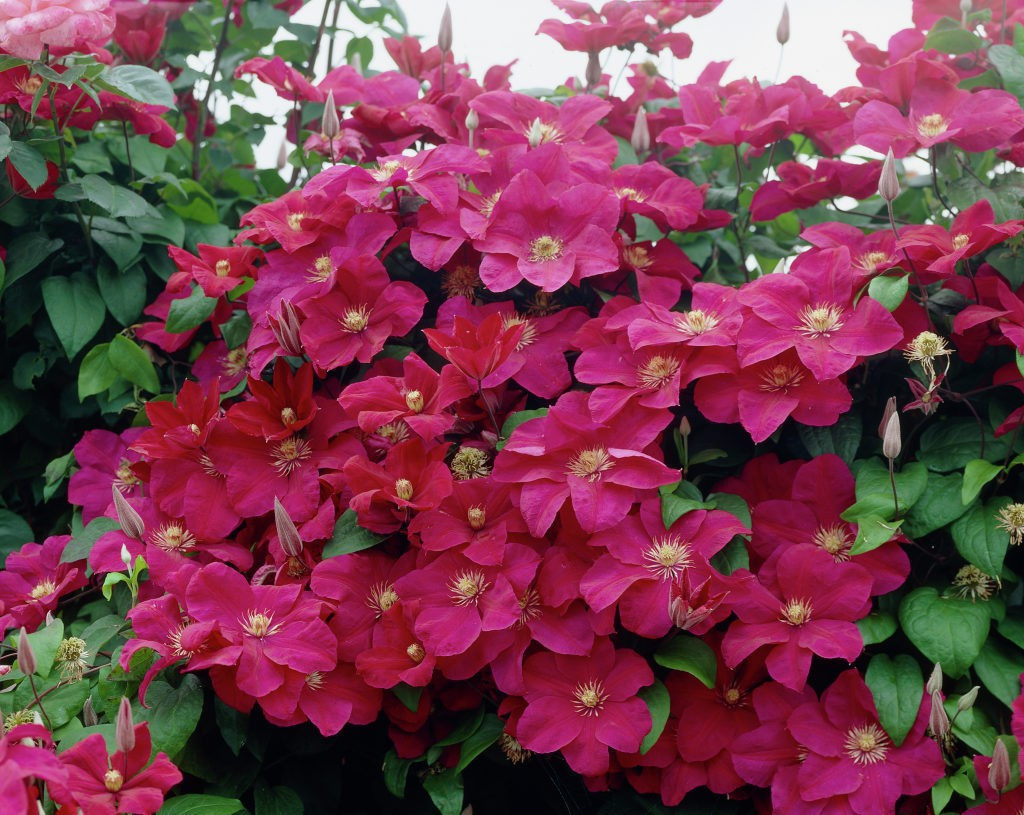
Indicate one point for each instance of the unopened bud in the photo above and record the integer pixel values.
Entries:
(892, 442)
(414, 401)
(444, 34)
(684, 427)
(287, 534)
(935, 680)
(89, 717)
(966, 702)
(472, 120)
(535, 135)
(4, 670)
(999, 769)
(888, 181)
(330, 125)
(131, 522)
(640, 138)
(477, 518)
(282, 155)
(965, 6)
(938, 720)
(124, 729)
(890, 408)
(782, 32)
(126, 557)
(286, 329)
(593, 70)
(26, 656)
(403, 488)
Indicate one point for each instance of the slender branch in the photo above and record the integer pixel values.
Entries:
(204, 108)
(38, 700)
(58, 131)
(922, 290)
(935, 182)
(311, 66)
(334, 34)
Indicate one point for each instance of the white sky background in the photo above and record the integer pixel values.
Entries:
(494, 32)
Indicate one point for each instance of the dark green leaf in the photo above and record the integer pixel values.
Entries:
(949, 444)
(948, 37)
(897, 685)
(124, 291)
(277, 801)
(1010, 65)
(445, 790)
(350, 537)
(92, 157)
(189, 312)
(131, 362)
(732, 557)
(75, 309)
(874, 490)
(842, 438)
(173, 713)
(657, 699)
(999, 668)
(139, 83)
(99, 633)
(486, 734)
(26, 252)
(14, 404)
(236, 329)
(939, 506)
(877, 627)
(872, 532)
(97, 372)
(29, 164)
(516, 419)
(678, 499)
(733, 504)
(117, 201)
(979, 539)
(946, 630)
(233, 725)
(44, 642)
(691, 655)
(467, 725)
(889, 291)
(201, 805)
(122, 248)
(14, 532)
(977, 474)
(396, 770)
(80, 545)
(408, 695)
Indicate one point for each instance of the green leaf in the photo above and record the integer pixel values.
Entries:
(396, 771)
(445, 790)
(80, 545)
(277, 801)
(190, 200)
(466, 727)
(123, 291)
(516, 419)
(942, 791)
(897, 685)
(63, 702)
(236, 329)
(877, 627)
(678, 499)
(939, 506)
(173, 713)
(101, 631)
(139, 83)
(979, 539)
(999, 668)
(1012, 627)
(189, 312)
(733, 504)
(948, 37)
(92, 157)
(350, 537)
(690, 655)
(408, 695)
(1010, 65)
(949, 444)
(657, 699)
(5, 141)
(131, 362)
(872, 532)
(489, 731)
(45, 642)
(946, 630)
(117, 201)
(977, 474)
(29, 163)
(889, 291)
(14, 532)
(75, 309)
(121, 248)
(842, 438)
(96, 373)
(26, 252)
(874, 491)
(201, 805)
(14, 404)
(233, 725)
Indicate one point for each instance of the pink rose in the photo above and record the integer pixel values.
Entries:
(28, 26)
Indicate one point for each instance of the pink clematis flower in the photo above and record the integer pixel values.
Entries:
(27, 27)
(26, 758)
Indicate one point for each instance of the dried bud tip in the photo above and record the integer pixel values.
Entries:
(889, 182)
(593, 70)
(131, 522)
(935, 680)
(124, 729)
(938, 720)
(282, 155)
(287, 533)
(640, 139)
(89, 717)
(892, 442)
(330, 125)
(444, 34)
(782, 32)
(999, 768)
(26, 656)
(966, 702)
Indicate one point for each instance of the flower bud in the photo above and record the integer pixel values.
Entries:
(935, 680)
(640, 139)
(889, 182)
(89, 717)
(124, 729)
(684, 427)
(286, 329)
(126, 557)
(965, 6)
(26, 656)
(414, 401)
(938, 720)
(287, 534)
(892, 442)
(782, 32)
(330, 125)
(5, 669)
(593, 74)
(472, 120)
(403, 489)
(890, 408)
(966, 702)
(131, 522)
(999, 769)
(444, 34)
(535, 135)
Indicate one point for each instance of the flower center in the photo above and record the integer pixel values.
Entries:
(289, 454)
(125, 476)
(631, 194)
(394, 432)
(381, 597)
(173, 537)
(836, 540)
(470, 462)
(870, 261)
(414, 401)
(780, 377)
(733, 697)
(545, 248)
(796, 612)
(466, 588)
(43, 588)
(529, 335)
(961, 240)
(355, 319)
(462, 281)
(488, 203)
(1011, 520)
(294, 220)
(259, 624)
(416, 653)
(657, 371)
(867, 744)
(222, 268)
(695, 322)
(321, 270)
(209, 467)
(288, 416)
(29, 85)
(637, 257)
(315, 680)
(972, 582)
(932, 125)
(589, 697)
(820, 321)
(590, 463)
(234, 361)
(113, 780)
(404, 488)
(386, 170)
(529, 606)
(476, 517)
(667, 557)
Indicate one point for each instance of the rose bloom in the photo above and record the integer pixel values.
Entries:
(63, 26)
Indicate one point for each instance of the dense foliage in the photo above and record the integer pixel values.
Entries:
(574, 450)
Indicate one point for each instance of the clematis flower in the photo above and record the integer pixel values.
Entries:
(850, 762)
(479, 350)
(33, 580)
(26, 758)
(584, 705)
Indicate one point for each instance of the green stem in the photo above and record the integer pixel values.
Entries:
(204, 108)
